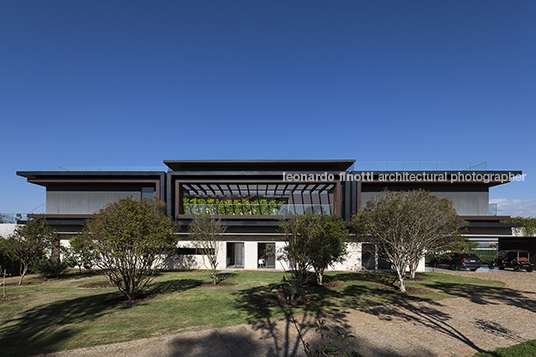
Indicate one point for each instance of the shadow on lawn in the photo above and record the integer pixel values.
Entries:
(171, 286)
(356, 290)
(365, 289)
(264, 302)
(44, 328)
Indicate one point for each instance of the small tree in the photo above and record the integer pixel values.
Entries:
(300, 233)
(207, 234)
(129, 239)
(28, 242)
(405, 225)
(329, 245)
(76, 254)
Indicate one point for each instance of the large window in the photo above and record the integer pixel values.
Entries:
(266, 255)
(235, 255)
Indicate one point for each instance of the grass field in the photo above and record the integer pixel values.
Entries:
(53, 315)
(526, 349)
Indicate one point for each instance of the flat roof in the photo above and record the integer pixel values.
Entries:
(68, 174)
(259, 165)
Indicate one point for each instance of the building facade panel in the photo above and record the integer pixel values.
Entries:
(86, 198)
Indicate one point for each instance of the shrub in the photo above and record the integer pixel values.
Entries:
(47, 268)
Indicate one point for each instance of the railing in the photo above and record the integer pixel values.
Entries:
(492, 209)
(257, 209)
(421, 166)
(12, 218)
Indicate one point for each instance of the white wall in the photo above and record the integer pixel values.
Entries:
(7, 228)
(352, 260)
(351, 263)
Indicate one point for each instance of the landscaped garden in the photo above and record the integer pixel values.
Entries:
(83, 310)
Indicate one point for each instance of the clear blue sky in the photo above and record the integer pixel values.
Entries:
(104, 83)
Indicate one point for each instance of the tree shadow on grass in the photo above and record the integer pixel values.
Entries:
(46, 327)
(381, 277)
(225, 275)
(357, 296)
(263, 302)
(277, 336)
(369, 290)
(171, 286)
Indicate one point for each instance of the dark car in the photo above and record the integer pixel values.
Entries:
(516, 259)
(456, 261)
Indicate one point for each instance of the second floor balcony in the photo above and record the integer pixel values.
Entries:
(270, 208)
(249, 199)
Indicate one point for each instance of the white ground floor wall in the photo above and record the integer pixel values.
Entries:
(250, 259)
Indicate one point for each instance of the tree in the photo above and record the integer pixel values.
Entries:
(77, 255)
(405, 225)
(207, 234)
(7, 262)
(528, 224)
(129, 239)
(28, 242)
(328, 246)
(299, 232)
(314, 242)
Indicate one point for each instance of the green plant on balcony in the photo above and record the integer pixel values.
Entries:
(237, 207)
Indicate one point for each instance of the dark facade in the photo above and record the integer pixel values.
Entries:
(251, 196)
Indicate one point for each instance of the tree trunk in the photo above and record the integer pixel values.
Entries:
(24, 270)
(401, 281)
(293, 291)
(214, 278)
(400, 275)
(412, 269)
(55, 251)
(319, 277)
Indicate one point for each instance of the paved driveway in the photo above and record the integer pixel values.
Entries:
(450, 327)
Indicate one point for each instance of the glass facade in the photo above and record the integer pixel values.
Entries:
(235, 255)
(266, 255)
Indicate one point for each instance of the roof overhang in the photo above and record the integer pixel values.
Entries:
(259, 165)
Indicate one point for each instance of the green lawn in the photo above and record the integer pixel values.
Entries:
(526, 349)
(59, 314)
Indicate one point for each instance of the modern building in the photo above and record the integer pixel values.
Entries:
(251, 196)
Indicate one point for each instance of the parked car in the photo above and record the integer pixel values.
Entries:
(456, 261)
(515, 259)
